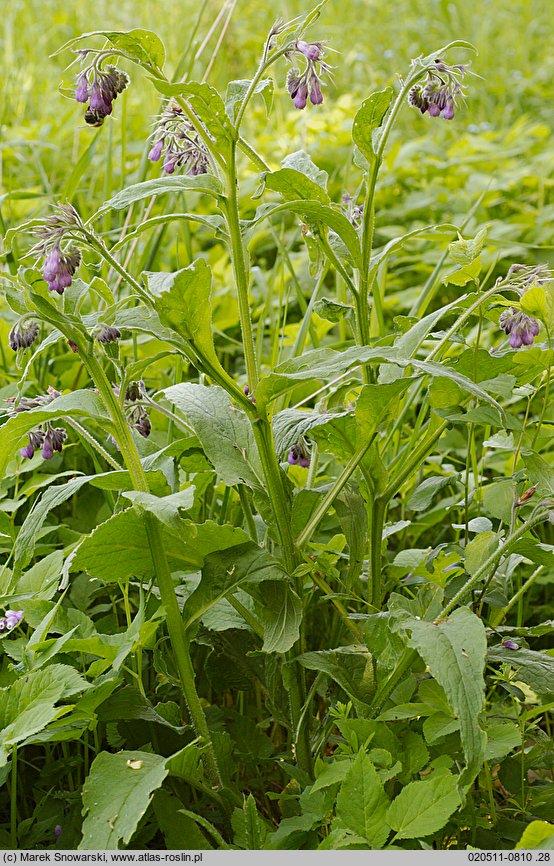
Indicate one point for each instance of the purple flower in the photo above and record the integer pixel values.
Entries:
(73, 345)
(107, 334)
(57, 831)
(448, 110)
(156, 151)
(310, 50)
(12, 618)
(47, 449)
(176, 138)
(299, 455)
(316, 96)
(434, 109)
(22, 335)
(98, 101)
(301, 97)
(510, 644)
(59, 268)
(522, 328)
(246, 390)
(81, 92)
(300, 84)
(36, 438)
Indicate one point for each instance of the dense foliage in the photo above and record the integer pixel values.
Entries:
(277, 503)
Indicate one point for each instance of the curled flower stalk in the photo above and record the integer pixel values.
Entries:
(306, 82)
(441, 91)
(176, 139)
(99, 86)
(23, 334)
(61, 257)
(516, 323)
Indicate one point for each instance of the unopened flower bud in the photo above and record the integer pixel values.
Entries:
(107, 334)
(301, 98)
(310, 50)
(316, 96)
(156, 151)
(23, 335)
(81, 92)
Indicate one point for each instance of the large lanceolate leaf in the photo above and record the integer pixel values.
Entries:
(118, 549)
(328, 365)
(423, 808)
(116, 794)
(455, 651)
(368, 120)
(224, 573)
(142, 46)
(534, 668)
(223, 430)
(362, 803)
(351, 667)
(79, 404)
(204, 183)
(29, 704)
(182, 301)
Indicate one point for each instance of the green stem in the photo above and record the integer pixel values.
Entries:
(331, 495)
(13, 799)
(377, 520)
(240, 271)
(502, 550)
(179, 644)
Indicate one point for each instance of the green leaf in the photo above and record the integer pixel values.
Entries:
(208, 107)
(280, 614)
(351, 667)
(463, 252)
(54, 496)
(294, 185)
(107, 555)
(250, 831)
(423, 808)
(534, 668)
(333, 311)
(362, 803)
(537, 835)
(116, 794)
(204, 183)
(224, 572)
(423, 495)
(479, 550)
(236, 91)
(183, 303)
(466, 274)
(166, 508)
(316, 215)
(78, 404)
(455, 651)
(368, 119)
(538, 301)
(28, 705)
(142, 46)
(223, 430)
(541, 472)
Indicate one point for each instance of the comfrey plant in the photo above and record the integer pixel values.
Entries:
(259, 523)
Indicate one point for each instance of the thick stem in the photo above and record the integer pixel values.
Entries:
(375, 583)
(179, 644)
(240, 271)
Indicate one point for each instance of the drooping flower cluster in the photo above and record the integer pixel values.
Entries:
(134, 408)
(45, 437)
(522, 328)
(99, 87)
(305, 83)
(23, 334)
(175, 137)
(107, 334)
(61, 260)
(354, 212)
(11, 619)
(299, 455)
(519, 325)
(441, 91)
